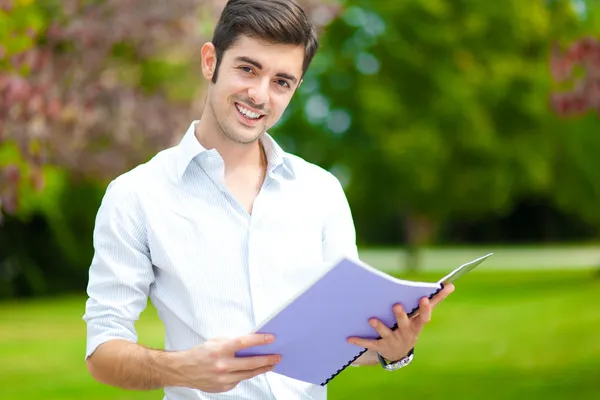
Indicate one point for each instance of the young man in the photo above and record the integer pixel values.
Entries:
(222, 229)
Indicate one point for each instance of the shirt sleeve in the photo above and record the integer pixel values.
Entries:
(339, 234)
(121, 272)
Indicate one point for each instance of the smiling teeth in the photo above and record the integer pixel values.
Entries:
(247, 113)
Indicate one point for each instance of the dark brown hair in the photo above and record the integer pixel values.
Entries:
(275, 21)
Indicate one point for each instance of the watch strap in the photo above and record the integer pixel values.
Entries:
(394, 365)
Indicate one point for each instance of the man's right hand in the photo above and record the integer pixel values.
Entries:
(213, 367)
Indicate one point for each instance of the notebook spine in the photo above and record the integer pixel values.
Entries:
(343, 367)
(394, 327)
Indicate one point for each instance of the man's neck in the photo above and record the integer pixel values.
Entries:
(236, 156)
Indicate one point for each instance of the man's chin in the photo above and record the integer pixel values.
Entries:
(247, 137)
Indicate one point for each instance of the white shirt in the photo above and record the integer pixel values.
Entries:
(170, 230)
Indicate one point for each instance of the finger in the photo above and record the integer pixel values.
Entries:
(251, 363)
(381, 328)
(236, 377)
(246, 341)
(401, 317)
(366, 343)
(445, 292)
(425, 312)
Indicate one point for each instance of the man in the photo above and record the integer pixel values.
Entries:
(222, 229)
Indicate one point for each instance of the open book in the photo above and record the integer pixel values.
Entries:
(311, 330)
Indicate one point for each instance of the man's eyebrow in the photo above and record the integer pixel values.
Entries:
(259, 66)
(249, 61)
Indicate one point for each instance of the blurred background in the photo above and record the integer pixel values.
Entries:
(457, 127)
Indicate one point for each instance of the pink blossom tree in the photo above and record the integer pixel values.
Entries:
(95, 87)
(579, 66)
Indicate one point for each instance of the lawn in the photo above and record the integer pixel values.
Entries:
(501, 335)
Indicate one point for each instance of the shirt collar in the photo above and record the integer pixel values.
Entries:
(189, 148)
(277, 159)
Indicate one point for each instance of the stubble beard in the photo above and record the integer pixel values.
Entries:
(229, 132)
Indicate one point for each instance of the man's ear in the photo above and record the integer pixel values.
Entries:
(209, 60)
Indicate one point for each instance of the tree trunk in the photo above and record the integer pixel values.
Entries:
(419, 231)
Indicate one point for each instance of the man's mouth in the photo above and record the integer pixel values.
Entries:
(253, 115)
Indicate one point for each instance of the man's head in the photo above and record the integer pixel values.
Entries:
(257, 57)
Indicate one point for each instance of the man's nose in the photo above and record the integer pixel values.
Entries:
(259, 92)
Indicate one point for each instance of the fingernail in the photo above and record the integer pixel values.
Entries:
(373, 323)
(269, 338)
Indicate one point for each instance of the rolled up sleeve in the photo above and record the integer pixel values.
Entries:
(121, 272)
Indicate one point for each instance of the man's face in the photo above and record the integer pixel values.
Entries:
(255, 83)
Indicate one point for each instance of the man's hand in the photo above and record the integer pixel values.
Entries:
(212, 367)
(396, 344)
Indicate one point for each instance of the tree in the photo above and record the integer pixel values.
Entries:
(96, 87)
(435, 108)
(585, 93)
(575, 67)
(88, 89)
(577, 162)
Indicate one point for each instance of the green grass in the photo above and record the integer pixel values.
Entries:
(501, 335)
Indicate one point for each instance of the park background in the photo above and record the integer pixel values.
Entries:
(457, 127)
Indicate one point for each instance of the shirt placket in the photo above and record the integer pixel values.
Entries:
(256, 265)
(262, 295)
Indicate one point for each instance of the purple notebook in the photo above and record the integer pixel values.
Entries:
(311, 330)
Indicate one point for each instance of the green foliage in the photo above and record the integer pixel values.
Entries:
(47, 243)
(577, 189)
(19, 28)
(577, 181)
(448, 106)
(429, 111)
(47, 246)
(31, 199)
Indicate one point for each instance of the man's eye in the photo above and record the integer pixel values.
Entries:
(283, 83)
(246, 69)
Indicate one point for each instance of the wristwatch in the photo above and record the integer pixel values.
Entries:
(394, 365)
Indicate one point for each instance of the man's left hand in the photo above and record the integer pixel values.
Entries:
(396, 344)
